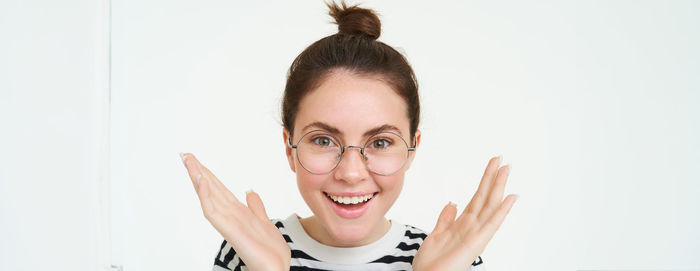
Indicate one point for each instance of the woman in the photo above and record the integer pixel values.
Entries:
(350, 114)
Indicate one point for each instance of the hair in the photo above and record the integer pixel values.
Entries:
(354, 48)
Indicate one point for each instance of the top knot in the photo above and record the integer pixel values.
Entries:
(353, 20)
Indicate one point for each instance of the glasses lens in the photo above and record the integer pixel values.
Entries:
(318, 152)
(386, 153)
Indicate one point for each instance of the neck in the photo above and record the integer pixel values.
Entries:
(315, 229)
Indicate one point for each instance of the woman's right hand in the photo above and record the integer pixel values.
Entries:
(250, 232)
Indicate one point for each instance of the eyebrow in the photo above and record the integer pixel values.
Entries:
(370, 132)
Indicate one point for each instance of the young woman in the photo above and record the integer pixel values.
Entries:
(350, 114)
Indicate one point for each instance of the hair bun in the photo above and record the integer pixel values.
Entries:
(353, 20)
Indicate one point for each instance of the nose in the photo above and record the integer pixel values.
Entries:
(352, 167)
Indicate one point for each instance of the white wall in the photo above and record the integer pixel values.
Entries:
(53, 135)
(593, 103)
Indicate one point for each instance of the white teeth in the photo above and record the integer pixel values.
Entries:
(351, 200)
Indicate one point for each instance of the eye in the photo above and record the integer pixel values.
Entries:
(322, 141)
(380, 143)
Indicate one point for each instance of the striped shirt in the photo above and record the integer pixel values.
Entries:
(394, 251)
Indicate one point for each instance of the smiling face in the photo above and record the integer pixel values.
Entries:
(352, 105)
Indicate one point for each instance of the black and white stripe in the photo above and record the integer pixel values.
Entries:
(398, 258)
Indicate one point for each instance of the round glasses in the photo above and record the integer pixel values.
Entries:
(319, 152)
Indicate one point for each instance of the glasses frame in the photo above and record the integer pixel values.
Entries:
(343, 148)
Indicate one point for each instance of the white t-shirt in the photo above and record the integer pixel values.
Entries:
(394, 251)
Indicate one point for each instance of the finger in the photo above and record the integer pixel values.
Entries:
(219, 198)
(494, 222)
(192, 168)
(209, 197)
(214, 211)
(446, 218)
(477, 201)
(198, 170)
(205, 200)
(216, 187)
(495, 196)
(217, 183)
(256, 205)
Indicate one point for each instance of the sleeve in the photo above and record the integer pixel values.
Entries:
(477, 265)
(227, 259)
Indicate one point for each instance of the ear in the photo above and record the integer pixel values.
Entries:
(412, 155)
(288, 150)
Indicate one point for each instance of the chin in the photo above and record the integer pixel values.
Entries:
(355, 231)
(350, 233)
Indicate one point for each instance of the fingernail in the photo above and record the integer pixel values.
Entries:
(199, 176)
(249, 191)
(183, 157)
(516, 198)
(453, 204)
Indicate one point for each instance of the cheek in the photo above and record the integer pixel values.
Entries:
(390, 185)
(391, 188)
(309, 184)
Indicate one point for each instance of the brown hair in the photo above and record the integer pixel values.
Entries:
(354, 48)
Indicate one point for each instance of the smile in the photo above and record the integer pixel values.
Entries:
(351, 200)
(350, 206)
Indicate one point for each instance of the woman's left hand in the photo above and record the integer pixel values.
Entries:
(455, 244)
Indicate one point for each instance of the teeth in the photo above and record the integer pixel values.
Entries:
(351, 200)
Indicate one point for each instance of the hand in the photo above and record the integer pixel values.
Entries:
(455, 244)
(250, 232)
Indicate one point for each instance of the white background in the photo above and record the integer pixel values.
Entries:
(593, 103)
(54, 127)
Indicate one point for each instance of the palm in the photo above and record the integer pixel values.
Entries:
(247, 228)
(455, 244)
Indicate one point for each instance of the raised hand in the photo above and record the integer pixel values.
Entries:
(247, 228)
(455, 244)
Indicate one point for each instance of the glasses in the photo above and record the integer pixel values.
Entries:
(319, 152)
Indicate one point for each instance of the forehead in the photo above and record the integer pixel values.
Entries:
(353, 104)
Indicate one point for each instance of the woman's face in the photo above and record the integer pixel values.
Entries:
(353, 105)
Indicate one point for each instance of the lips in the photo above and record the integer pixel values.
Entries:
(350, 205)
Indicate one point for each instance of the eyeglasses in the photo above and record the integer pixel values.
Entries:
(319, 152)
